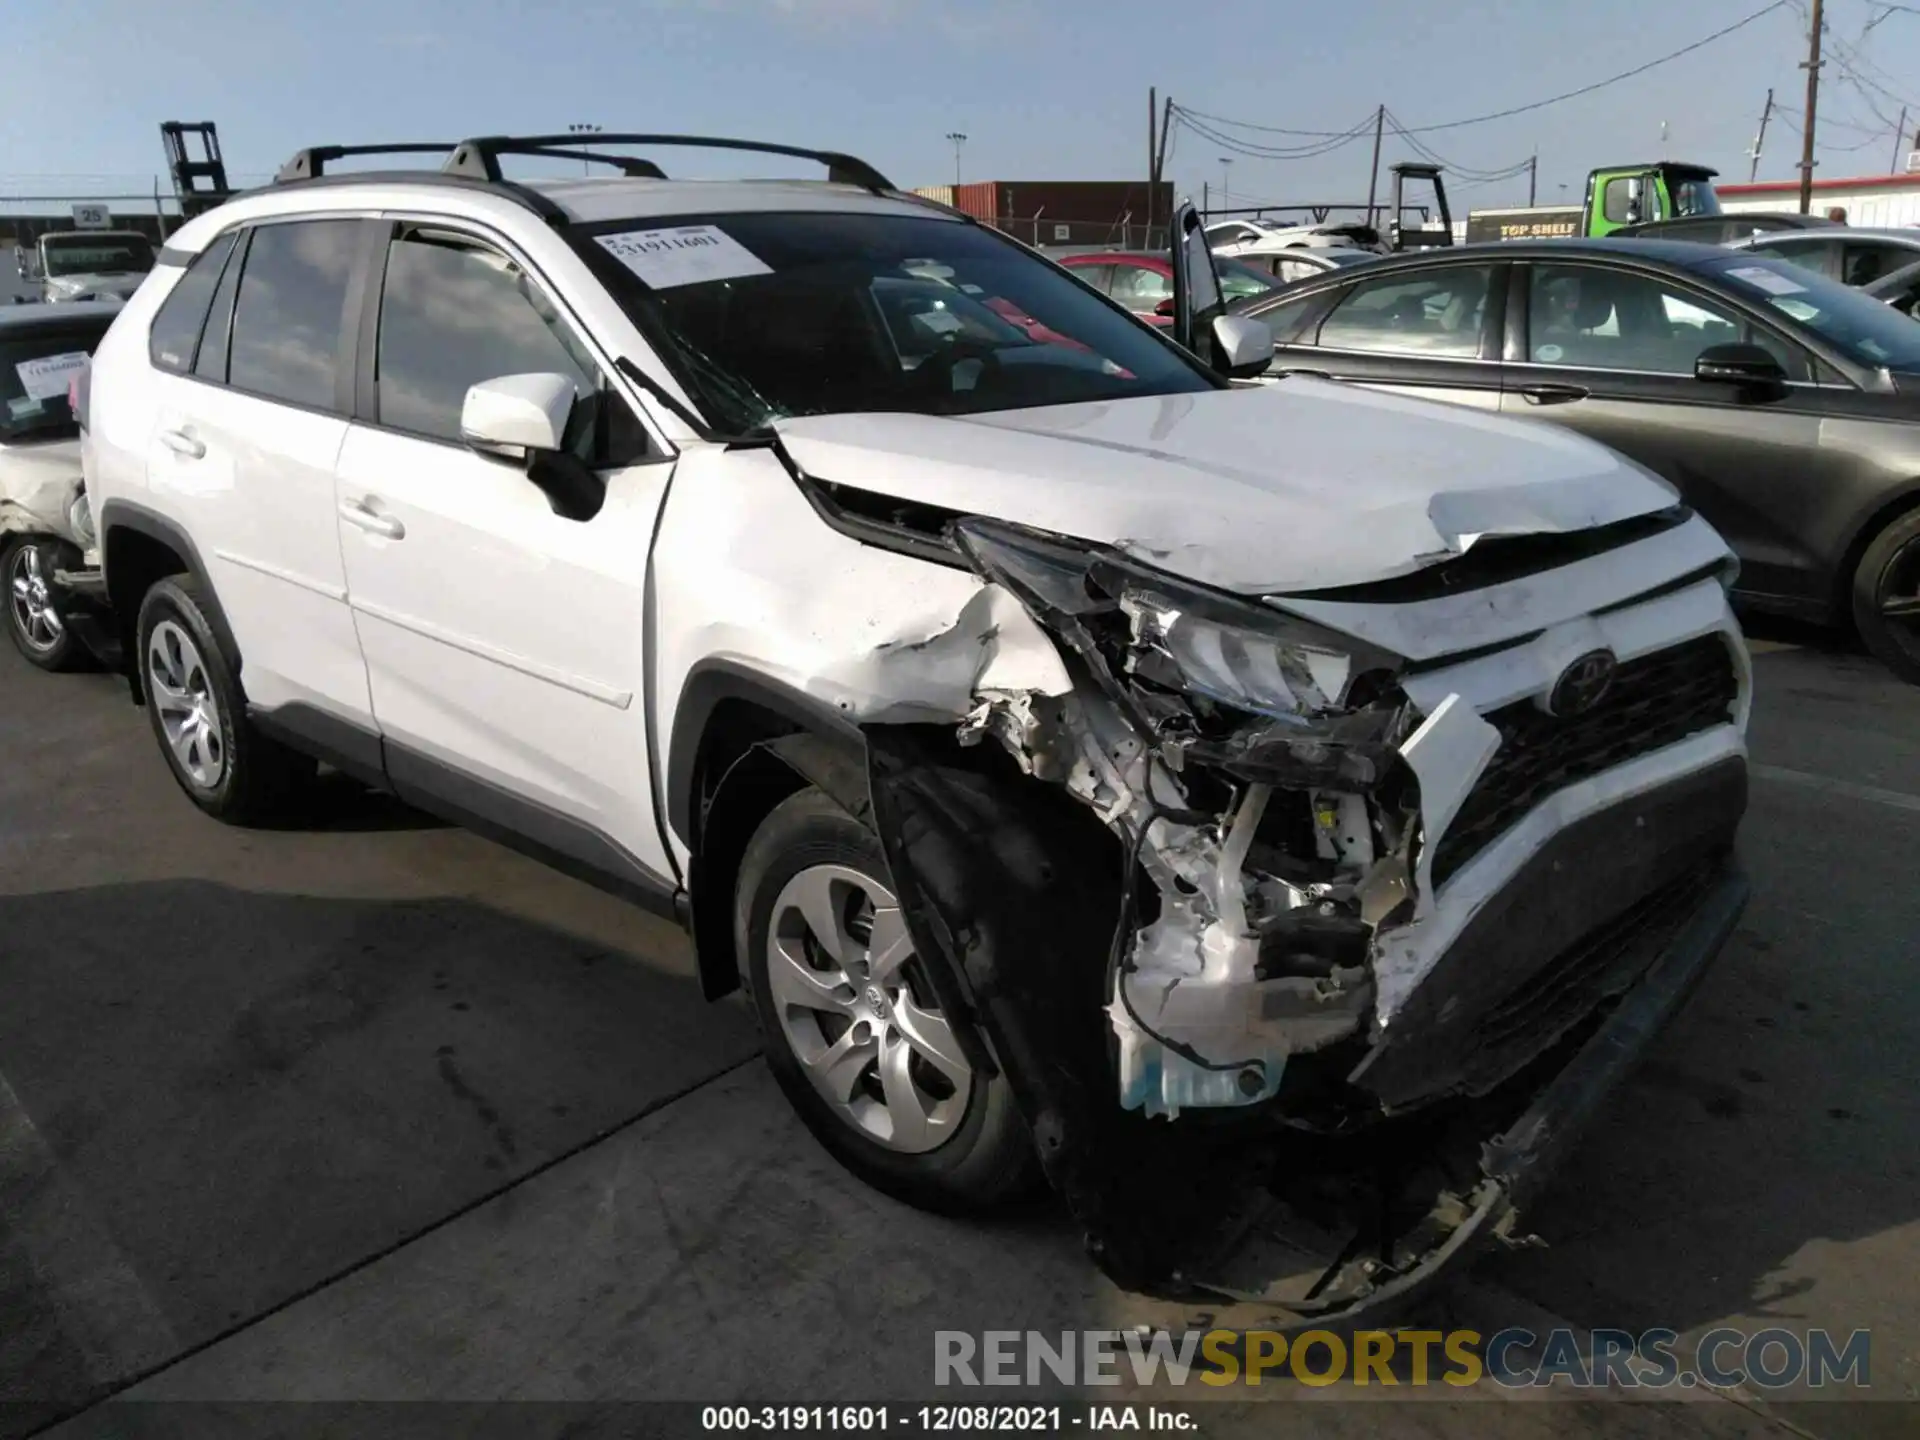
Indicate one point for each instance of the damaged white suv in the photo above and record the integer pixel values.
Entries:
(1238, 801)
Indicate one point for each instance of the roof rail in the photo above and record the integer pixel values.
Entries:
(311, 163)
(479, 158)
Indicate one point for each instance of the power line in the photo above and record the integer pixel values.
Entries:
(1243, 146)
(1637, 70)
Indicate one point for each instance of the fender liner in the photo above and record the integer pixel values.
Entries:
(119, 514)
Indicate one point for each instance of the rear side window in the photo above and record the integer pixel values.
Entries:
(175, 332)
(288, 316)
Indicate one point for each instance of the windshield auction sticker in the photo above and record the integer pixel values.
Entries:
(46, 378)
(683, 255)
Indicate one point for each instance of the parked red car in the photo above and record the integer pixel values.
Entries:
(1142, 280)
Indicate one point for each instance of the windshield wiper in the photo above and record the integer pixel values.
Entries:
(761, 434)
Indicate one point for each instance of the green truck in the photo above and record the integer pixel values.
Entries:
(1617, 196)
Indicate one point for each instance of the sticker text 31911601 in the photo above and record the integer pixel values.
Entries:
(683, 255)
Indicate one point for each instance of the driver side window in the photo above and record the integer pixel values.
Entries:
(455, 312)
(1438, 313)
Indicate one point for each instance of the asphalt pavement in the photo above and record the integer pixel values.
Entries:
(377, 1111)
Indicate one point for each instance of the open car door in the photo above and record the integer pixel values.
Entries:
(1196, 284)
(1235, 345)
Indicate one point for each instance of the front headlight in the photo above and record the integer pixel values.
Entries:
(1138, 623)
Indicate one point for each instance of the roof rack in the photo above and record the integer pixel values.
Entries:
(479, 158)
(311, 163)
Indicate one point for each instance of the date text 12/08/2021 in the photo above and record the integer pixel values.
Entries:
(945, 1419)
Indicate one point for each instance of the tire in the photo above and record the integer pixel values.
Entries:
(1888, 577)
(948, 1139)
(36, 613)
(199, 715)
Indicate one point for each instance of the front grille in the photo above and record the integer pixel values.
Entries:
(1653, 701)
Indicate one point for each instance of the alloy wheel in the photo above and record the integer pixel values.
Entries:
(36, 619)
(181, 693)
(1899, 597)
(854, 1007)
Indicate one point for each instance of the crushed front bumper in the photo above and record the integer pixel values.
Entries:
(1017, 887)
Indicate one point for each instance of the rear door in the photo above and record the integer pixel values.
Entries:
(1430, 331)
(251, 412)
(1610, 352)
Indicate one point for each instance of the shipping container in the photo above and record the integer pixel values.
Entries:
(1065, 212)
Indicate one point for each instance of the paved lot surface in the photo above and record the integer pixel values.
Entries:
(377, 1111)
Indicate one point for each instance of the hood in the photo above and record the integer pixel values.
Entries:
(120, 285)
(1295, 486)
(39, 484)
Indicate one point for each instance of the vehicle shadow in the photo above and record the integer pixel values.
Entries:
(214, 1100)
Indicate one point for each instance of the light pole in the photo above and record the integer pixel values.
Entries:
(1225, 202)
(583, 130)
(956, 139)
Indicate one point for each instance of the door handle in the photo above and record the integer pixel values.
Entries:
(1553, 394)
(182, 443)
(356, 512)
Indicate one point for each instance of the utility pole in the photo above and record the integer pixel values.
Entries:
(1153, 160)
(1160, 168)
(1225, 203)
(1206, 203)
(1373, 183)
(1812, 67)
(1899, 139)
(958, 140)
(1533, 179)
(1760, 139)
(584, 130)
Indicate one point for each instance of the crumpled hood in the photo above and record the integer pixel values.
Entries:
(70, 287)
(40, 482)
(1293, 486)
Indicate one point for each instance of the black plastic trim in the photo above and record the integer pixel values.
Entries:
(558, 841)
(179, 259)
(708, 685)
(352, 749)
(125, 515)
(479, 158)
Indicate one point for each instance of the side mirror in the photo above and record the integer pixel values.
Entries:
(1165, 307)
(1751, 366)
(523, 419)
(1243, 346)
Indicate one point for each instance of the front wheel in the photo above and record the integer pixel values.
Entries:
(853, 1032)
(1886, 597)
(36, 611)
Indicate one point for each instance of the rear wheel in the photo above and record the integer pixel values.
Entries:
(199, 715)
(1886, 597)
(853, 1032)
(36, 614)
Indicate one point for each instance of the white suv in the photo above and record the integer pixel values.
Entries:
(1077, 755)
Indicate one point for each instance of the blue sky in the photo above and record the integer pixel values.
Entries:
(1042, 88)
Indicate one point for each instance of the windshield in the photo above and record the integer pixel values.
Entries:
(1865, 330)
(34, 371)
(764, 316)
(1695, 197)
(97, 255)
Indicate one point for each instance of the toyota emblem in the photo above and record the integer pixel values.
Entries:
(1582, 685)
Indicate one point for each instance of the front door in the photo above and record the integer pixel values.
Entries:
(503, 642)
(1611, 353)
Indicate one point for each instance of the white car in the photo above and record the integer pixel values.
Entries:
(1078, 756)
(46, 528)
(1239, 239)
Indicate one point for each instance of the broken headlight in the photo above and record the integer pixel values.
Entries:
(1220, 650)
(1248, 663)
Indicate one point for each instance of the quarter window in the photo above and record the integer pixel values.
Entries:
(176, 326)
(288, 316)
(1439, 313)
(211, 362)
(453, 313)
